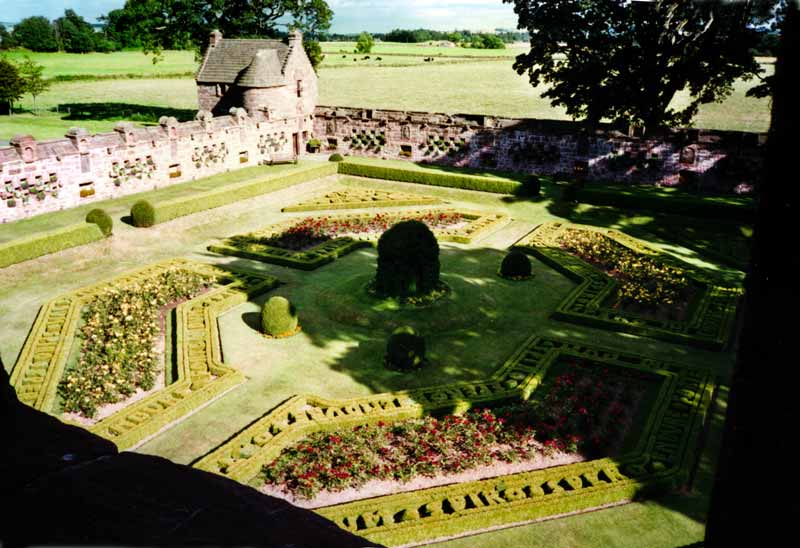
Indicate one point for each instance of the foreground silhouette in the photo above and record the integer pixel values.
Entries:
(64, 485)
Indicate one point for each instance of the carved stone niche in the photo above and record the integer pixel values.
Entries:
(330, 127)
(239, 115)
(126, 130)
(688, 155)
(405, 132)
(79, 138)
(204, 117)
(170, 125)
(26, 147)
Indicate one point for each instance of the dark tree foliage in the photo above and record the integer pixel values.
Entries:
(625, 61)
(408, 260)
(35, 34)
(314, 52)
(184, 24)
(6, 40)
(12, 86)
(74, 34)
(762, 411)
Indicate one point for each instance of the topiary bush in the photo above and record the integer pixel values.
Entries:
(143, 214)
(278, 317)
(408, 260)
(405, 350)
(101, 219)
(516, 265)
(569, 193)
(532, 187)
(336, 157)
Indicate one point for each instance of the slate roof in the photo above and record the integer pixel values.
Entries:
(237, 62)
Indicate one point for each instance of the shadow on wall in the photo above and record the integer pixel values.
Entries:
(63, 485)
(123, 111)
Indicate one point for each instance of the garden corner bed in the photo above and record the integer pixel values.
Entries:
(93, 355)
(558, 428)
(625, 285)
(315, 241)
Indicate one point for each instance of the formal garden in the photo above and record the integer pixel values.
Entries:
(411, 360)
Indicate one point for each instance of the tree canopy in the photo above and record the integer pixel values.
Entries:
(35, 34)
(75, 35)
(12, 87)
(364, 43)
(181, 24)
(626, 60)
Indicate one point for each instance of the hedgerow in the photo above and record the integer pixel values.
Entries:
(421, 175)
(51, 241)
(202, 201)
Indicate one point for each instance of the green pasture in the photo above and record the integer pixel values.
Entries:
(477, 84)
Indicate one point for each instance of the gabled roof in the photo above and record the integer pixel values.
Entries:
(250, 63)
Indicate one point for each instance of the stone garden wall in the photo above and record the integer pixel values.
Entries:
(714, 159)
(38, 177)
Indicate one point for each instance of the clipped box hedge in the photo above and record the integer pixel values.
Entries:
(661, 459)
(202, 201)
(44, 243)
(427, 176)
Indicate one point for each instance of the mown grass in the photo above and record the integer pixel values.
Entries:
(336, 356)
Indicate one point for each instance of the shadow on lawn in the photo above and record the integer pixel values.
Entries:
(122, 111)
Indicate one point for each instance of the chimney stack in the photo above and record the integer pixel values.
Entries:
(214, 38)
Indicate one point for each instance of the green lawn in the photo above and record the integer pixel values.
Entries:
(335, 354)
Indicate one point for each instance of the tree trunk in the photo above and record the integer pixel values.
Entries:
(5, 108)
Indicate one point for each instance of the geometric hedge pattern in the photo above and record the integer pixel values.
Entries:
(201, 375)
(477, 224)
(709, 324)
(662, 457)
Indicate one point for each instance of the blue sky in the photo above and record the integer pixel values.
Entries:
(349, 15)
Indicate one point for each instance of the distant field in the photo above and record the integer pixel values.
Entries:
(448, 84)
(396, 48)
(105, 64)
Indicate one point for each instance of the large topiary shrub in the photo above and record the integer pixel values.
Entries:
(279, 317)
(336, 157)
(143, 214)
(516, 265)
(101, 219)
(405, 350)
(408, 260)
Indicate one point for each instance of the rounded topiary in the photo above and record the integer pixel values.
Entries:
(278, 317)
(143, 214)
(569, 193)
(405, 349)
(531, 186)
(408, 260)
(336, 157)
(101, 219)
(515, 265)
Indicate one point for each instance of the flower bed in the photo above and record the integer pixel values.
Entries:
(313, 231)
(352, 198)
(118, 351)
(641, 279)
(584, 409)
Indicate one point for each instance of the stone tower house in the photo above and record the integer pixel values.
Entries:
(270, 79)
